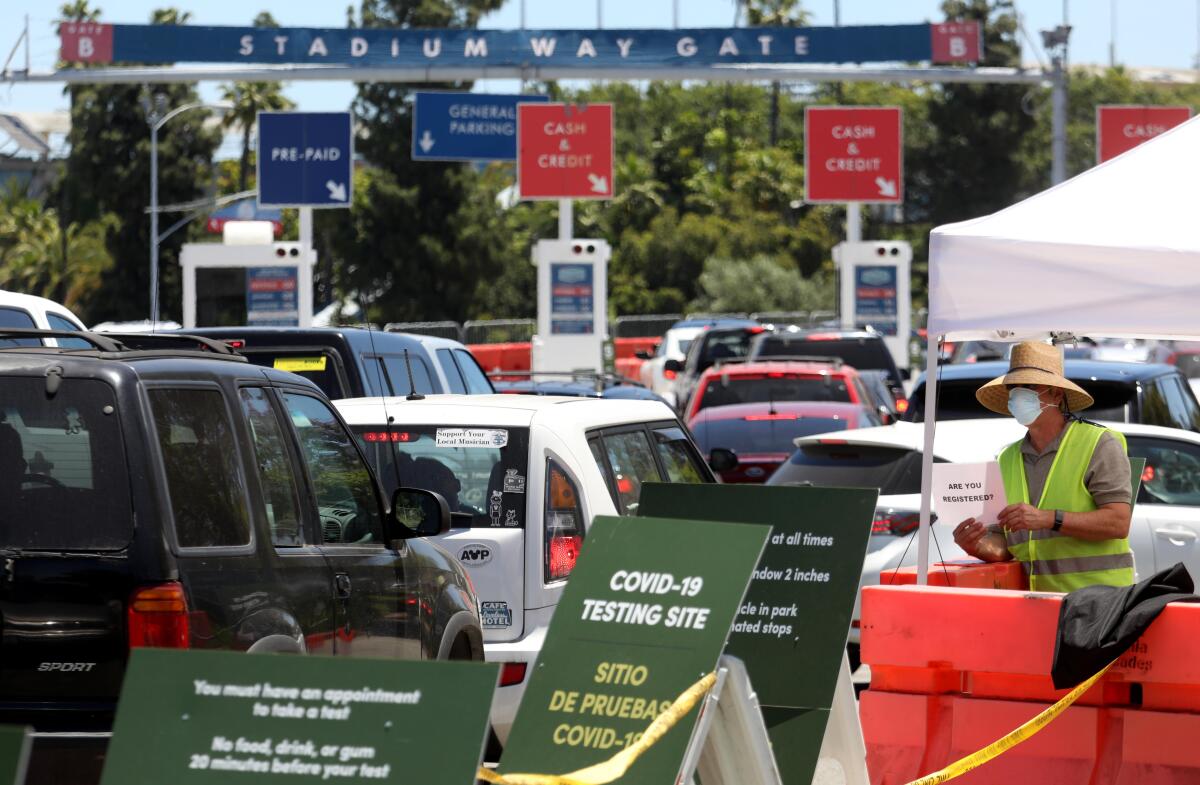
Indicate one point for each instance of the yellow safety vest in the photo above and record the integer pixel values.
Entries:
(1055, 561)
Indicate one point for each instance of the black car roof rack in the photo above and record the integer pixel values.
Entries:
(836, 362)
(127, 344)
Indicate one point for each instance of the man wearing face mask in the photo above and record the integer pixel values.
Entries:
(1067, 482)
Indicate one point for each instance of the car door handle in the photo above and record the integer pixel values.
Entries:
(1176, 533)
(341, 583)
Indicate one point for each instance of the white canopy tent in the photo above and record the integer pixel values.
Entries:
(1112, 251)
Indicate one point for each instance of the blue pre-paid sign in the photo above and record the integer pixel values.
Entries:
(305, 159)
(467, 126)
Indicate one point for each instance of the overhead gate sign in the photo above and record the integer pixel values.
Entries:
(853, 154)
(565, 151)
(1122, 128)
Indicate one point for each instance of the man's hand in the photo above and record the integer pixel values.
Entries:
(974, 538)
(1025, 517)
(968, 534)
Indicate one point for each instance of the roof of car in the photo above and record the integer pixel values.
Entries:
(500, 409)
(827, 410)
(612, 389)
(776, 366)
(718, 321)
(32, 301)
(297, 336)
(794, 333)
(1080, 371)
(966, 441)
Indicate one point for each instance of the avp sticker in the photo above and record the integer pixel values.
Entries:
(475, 555)
(513, 482)
(491, 438)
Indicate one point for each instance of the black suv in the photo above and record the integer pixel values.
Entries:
(1147, 393)
(168, 495)
(722, 340)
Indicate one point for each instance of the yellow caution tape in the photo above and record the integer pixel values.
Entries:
(1006, 743)
(615, 767)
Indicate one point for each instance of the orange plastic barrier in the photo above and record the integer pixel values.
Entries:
(967, 574)
(629, 367)
(954, 669)
(502, 356)
(628, 347)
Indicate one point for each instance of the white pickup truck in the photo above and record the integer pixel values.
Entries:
(523, 477)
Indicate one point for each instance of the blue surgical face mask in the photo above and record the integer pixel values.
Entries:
(1024, 405)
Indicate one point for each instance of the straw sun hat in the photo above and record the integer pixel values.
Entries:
(1032, 362)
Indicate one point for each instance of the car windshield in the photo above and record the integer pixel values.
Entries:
(956, 400)
(836, 464)
(480, 470)
(63, 478)
(724, 390)
(764, 433)
(723, 345)
(861, 353)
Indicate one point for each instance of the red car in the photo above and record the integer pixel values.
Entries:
(777, 380)
(760, 435)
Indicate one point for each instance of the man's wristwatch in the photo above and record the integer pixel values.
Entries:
(1058, 520)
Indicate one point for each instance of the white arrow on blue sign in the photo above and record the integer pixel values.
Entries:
(305, 159)
(466, 126)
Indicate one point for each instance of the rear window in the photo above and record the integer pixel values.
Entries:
(890, 469)
(726, 390)
(62, 465)
(772, 433)
(723, 345)
(397, 374)
(319, 367)
(15, 317)
(1189, 364)
(956, 401)
(861, 353)
(482, 470)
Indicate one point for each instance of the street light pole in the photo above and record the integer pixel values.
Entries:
(157, 120)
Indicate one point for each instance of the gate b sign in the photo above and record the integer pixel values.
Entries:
(1122, 128)
(853, 154)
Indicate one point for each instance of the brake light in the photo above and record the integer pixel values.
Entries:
(760, 417)
(388, 436)
(901, 405)
(668, 374)
(563, 553)
(157, 617)
(756, 330)
(563, 530)
(512, 673)
(897, 524)
(832, 441)
(236, 343)
(1171, 358)
(1148, 473)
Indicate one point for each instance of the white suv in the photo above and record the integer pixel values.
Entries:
(27, 311)
(523, 476)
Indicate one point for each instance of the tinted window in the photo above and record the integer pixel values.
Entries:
(956, 400)
(343, 487)
(485, 482)
(1184, 411)
(398, 370)
(890, 469)
(15, 317)
(1172, 472)
(62, 464)
(728, 389)
(676, 455)
(861, 353)
(275, 470)
(317, 366)
(477, 381)
(57, 322)
(453, 377)
(1155, 408)
(774, 434)
(723, 345)
(204, 478)
(632, 463)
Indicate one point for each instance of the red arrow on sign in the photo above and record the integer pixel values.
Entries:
(565, 151)
(853, 154)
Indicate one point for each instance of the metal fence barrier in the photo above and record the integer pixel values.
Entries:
(499, 331)
(649, 325)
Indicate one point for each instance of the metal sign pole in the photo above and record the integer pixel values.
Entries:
(566, 219)
(853, 222)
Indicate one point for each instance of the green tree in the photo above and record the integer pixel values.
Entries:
(248, 99)
(108, 172)
(760, 284)
(38, 255)
(775, 13)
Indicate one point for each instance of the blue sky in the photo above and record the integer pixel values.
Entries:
(1160, 33)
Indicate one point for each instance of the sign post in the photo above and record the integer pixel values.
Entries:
(875, 291)
(641, 620)
(466, 126)
(1121, 128)
(791, 628)
(210, 715)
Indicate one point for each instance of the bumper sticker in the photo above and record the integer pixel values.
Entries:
(513, 482)
(491, 438)
(495, 614)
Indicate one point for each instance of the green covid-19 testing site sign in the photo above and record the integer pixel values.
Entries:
(221, 717)
(645, 615)
(791, 629)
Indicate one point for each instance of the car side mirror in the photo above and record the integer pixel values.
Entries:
(424, 512)
(642, 354)
(673, 365)
(722, 460)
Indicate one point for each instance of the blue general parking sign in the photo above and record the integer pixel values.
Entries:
(305, 159)
(467, 126)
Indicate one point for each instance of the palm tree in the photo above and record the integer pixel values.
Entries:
(248, 99)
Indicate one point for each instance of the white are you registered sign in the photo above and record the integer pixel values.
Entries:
(968, 490)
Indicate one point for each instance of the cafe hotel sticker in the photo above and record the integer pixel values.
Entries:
(220, 717)
(645, 616)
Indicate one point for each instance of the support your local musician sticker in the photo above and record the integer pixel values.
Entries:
(492, 438)
(968, 490)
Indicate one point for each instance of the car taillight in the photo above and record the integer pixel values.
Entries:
(758, 417)
(901, 405)
(1148, 473)
(897, 524)
(668, 374)
(158, 617)
(563, 530)
(831, 441)
(388, 436)
(512, 673)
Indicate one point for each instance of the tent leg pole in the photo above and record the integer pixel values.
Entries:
(930, 414)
